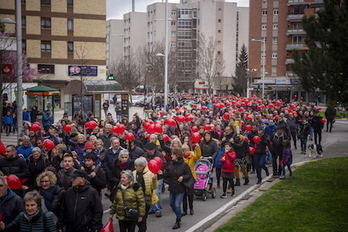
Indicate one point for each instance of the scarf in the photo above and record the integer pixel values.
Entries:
(48, 196)
(124, 165)
(30, 217)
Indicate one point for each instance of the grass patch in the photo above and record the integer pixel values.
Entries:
(338, 115)
(316, 199)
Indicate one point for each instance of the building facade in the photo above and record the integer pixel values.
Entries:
(63, 39)
(278, 23)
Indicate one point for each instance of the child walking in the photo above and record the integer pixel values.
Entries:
(287, 158)
(8, 121)
(227, 174)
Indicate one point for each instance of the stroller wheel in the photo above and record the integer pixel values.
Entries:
(213, 194)
(204, 195)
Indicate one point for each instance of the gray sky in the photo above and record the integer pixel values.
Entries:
(116, 8)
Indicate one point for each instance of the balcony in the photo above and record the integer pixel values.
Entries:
(296, 32)
(289, 61)
(296, 46)
(295, 17)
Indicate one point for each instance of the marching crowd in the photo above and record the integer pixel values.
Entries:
(52, 180)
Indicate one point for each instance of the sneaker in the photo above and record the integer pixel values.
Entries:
(275, 175)
(223, 196)
(233, 193)
(158, 214)
(282, 177)
(267, 172)
(259, 182)
(183, 213)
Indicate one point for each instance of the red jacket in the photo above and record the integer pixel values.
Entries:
(227, 160)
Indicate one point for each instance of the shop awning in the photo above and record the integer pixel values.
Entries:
(93, 87)
(41, 90)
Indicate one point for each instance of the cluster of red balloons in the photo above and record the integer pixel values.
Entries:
(91, 124)
(119, 129)
(219, 105)
(155, 165)
(170, 122)
(207, 127)
(35, 126)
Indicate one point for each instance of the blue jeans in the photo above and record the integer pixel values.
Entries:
(158, 206)
(259, 161)
(175, 200)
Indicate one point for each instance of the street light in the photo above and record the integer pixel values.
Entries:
(249, 82)
(263, 44)
(19, 63)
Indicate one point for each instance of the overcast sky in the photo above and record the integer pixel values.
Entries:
(116, 8)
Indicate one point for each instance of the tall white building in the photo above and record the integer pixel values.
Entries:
(226, 23)
(114, 41)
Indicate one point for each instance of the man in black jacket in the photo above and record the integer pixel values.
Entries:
(81, 208)
(330, 115)
(10, 203)
(317, 126)
(260, 154)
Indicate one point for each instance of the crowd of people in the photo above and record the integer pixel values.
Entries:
(60, 186)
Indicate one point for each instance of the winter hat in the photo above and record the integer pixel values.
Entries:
(89, 145)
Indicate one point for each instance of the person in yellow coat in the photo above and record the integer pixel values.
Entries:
(190, 158)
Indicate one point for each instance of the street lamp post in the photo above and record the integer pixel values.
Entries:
(166, 57)
(249, 80)
(18, 23)
(263, 44)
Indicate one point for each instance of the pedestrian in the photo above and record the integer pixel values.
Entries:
(118, 111)
(46, 120)
(8, 122)
(124, 162)
(218, 164)
(129, 194)
(37, 162)
(81, 208)
(26, 148)
(175, 173)
(26, 115)
(10, 203)
(287, 159)
(277, 150)
(294, 128)
(64, 175)
(106, 107)
(95, 172)
(241, 148)
(33, 218)
(260, 155)
(303, 135)
(190, 158)
(148, 181)
(33, 114)
(330, 114)
(317, 126)
(227, 173)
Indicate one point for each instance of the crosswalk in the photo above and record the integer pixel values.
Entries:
(9, 140)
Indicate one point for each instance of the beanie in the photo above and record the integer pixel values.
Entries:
(89, 145)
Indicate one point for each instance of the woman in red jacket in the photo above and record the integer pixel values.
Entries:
(227, 160)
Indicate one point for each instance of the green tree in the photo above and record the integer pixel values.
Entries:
(240, 78)
(324, 64)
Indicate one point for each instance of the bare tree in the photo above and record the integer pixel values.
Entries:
(210, 63)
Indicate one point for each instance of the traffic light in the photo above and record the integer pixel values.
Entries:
(110, 77)
(339, 91)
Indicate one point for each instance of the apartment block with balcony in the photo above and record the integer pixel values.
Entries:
(60, 36)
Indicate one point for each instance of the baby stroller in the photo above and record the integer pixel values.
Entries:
(203, 170)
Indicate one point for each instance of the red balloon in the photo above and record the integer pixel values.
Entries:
(121, 128)
(180, 118)
(323, 120)
(158, 160)
(48, 144)
(161, 113)
(246, 139)
(195, 106)
(259, 101)
(259, 107)
(278, 103)
(250, 118)
(242, 104)
(177, 108)
(35, 127)
(256, 139)
(151, 128)
(158, 128)
(170, 122)
(67, 128)
(252, 150)
(154, 166)
(149, 121)
(248, 128)
(276, 117)
(242, 123)
(184, 107)
(91, 124)
(165, 138)
(319, 108)
(146, 125)
(14, 182)
(207, 127)
(196, 137)
(292, 106)
(194, 129)
(270, 105)
(203, 108)
(189, 118)
(241, 109)
(226, 116)
(130, 137)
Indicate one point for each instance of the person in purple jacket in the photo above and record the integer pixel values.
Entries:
(287, 158)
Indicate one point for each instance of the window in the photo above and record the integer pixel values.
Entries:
(275, 26)
(45, 2)
(219, 53)
(70, 3)
(46, 46)
(219, 31)
(70, 24)
(70, 47)
(45, 23)
(24, 46)
(173, 23)
(219, 41)
(274, 55)
(219, 9)
(45, 68)
(23, 2)
(173, 12)
(264, 27)
(24, 22)
(219, 20)
(173, 33)
(275, 12)
(264, 12)
(173, 44)
(275, 40)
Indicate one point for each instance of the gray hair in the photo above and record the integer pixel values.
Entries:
(81, 136)
(4, 180)
(25, 137)
(176, 140)
(129, 174)
(114, 138)
(141, 161)
(123, 152)
(36, 149)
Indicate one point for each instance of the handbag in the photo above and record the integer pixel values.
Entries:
(188, 184)
(130, 213)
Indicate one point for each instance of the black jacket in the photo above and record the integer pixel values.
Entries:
(53, 198)
(36, 167)
(15, 166)
(81, 210)
(10, 206)
(99, 180)
(173, 171)
(277, 144)
(316, 123)
(262, 145)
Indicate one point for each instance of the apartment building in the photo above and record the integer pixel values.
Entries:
(278, 23)
(64, 39)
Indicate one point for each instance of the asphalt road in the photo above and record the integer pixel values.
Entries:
(335, 144)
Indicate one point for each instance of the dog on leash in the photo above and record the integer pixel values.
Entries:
(315, 150)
